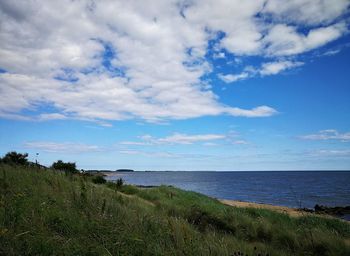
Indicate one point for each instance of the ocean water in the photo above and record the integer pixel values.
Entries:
(284, 188)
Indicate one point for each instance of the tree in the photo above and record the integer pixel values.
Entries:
(15, 158)
(68, 167)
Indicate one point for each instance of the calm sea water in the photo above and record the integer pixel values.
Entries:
(287, 188)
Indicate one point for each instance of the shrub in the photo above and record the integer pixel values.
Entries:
(203, 220)
(15, 158)
(67, 167)
(129, 189)
(119, 182)
(117, 185)
(99, 180)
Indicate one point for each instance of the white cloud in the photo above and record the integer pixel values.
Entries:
(179, 138)
(210, 144)
(52, 116)
(267, 68)
(164, 154)
(65, 147)
(150, 154)
(176, 138)
(240, 142)
(330, 153)
(53, 54)
(284, 40)
(186, 139)
(329, 134)
(219, 55)
(233, 78)
(272, 68)
(312, 12)
(261, 111)
(235, 18)
(331, 52)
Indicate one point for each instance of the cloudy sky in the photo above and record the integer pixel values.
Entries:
(177, 85)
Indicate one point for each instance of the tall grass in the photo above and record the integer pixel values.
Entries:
(43, 212)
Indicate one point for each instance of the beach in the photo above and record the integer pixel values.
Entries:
(293, 212)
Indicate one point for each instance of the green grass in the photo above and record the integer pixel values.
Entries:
(43, 212)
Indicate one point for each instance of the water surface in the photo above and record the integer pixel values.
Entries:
(285, 188)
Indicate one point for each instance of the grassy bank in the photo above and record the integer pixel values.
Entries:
(45, 212)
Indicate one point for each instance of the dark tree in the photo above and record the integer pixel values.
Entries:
(15, 158)
(67, 167)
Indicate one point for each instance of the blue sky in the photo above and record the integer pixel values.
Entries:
(177, 85)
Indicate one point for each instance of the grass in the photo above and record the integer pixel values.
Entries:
(43, 212)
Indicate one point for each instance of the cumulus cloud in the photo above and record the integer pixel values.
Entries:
(65, 147)
(329, 134)
(305, 11)
(285, 40)
(117, 60)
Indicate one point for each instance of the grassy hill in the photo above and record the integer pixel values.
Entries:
(45, 212)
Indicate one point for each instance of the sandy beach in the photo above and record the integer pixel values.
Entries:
(282, 209)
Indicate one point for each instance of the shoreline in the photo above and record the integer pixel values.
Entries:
(341, 213)
(293, 212)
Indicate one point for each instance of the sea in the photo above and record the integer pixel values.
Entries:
(296, 189)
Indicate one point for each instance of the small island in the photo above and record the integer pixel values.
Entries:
(124, 170)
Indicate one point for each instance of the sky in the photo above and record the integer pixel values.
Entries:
(225, 85)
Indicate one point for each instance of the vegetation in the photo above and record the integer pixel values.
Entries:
(99, 179)
(119, 182)
(69, 168)
(44, 212)
(14, 158)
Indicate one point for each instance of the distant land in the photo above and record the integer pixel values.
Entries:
(107, 171)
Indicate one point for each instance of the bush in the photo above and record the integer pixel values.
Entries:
(15, 158)
(129, 189)
(119, 182)
(203, 220)
(99, 180)
(117, 185)
(67, 167)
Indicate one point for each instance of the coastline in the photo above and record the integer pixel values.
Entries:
(293, 212)
(161, 220)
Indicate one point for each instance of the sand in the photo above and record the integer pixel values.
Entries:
(290, 211)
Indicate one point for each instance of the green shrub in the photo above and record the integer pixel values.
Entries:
(203, 220)
(14, 158)
(117, 185)
(129, 189)
(99, 179)
(119, 182)
(68, 167)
